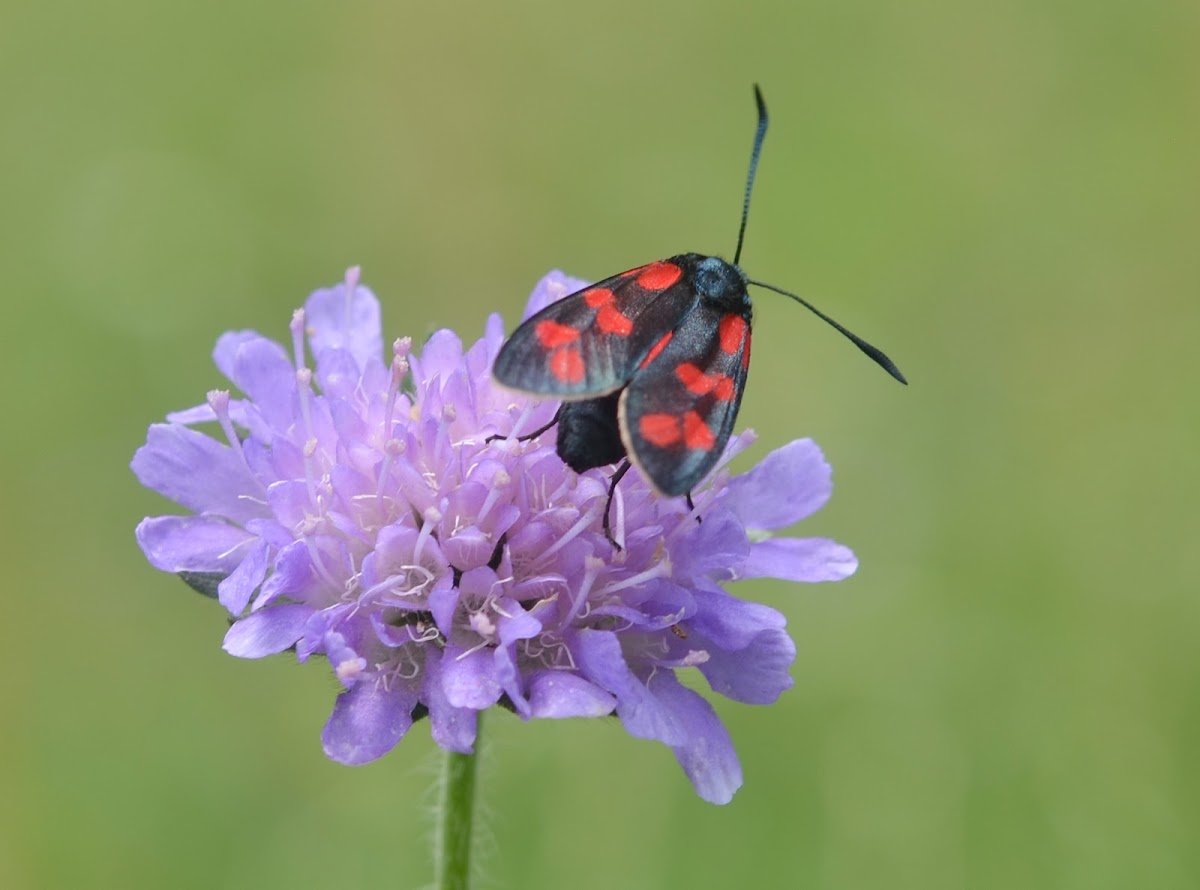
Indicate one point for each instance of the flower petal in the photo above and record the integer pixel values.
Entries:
(291, 574)
(345, 320)
(469, 678)
(268, 632)
(262, 370)
(192, 543)
(799, 559)
(601, 660)
(714, 549)
(453, 728)
(789, 484)
(440, 357)
(493, 333)
(338, 373)
(550, 289)
(235, 591)
(198, 472)
(706, 751)
(367, 722)
(189, 416)
(557, 694)
(732, 623)
(757, 673)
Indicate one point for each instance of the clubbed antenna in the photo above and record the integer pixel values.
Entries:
(759, 133)
(875, 354)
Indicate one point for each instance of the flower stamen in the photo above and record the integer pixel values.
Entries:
(570, 534)
(591, 570)
(660, 569)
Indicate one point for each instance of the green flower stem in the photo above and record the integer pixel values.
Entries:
(457, 820)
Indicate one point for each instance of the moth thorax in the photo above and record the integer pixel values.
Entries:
(721, 283)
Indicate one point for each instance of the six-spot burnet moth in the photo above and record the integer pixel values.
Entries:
(650, 364)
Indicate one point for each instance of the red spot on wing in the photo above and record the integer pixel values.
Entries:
(552, 334)
(566, 364)
(731, 332)
(660, 430)
(701, 384)
(665, 430)
(598, 296)
(657, 348)
(696, 433)
(611, 321)
(659, 276)
(693, 378)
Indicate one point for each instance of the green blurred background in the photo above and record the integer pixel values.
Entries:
(1003, 195)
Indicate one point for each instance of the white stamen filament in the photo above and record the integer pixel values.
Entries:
(400, 584)
(500, 482)
(432, 517)
(304, 394)
(657, 570)
(573, 532)
(218, 400)
(540, 648)
(619, 509)
(399, 370)
(426, 635)
(318, 562)
(412, 483)
(568, 482)
(409, 671)
(483, 644)
(527, 410)
(230, 551)
(591, 570)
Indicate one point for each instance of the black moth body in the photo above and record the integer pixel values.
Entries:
(662, 379)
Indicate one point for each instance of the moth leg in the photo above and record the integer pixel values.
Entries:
(691, 506)
(612, 488)
(534, 434)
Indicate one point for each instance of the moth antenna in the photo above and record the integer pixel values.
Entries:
(874, 353)
(759, 133)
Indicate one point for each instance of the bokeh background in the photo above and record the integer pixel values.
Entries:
(1001, 194)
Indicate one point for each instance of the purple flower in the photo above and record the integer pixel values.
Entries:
(352, 507)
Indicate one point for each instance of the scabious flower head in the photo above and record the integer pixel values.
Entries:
(352, 506)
